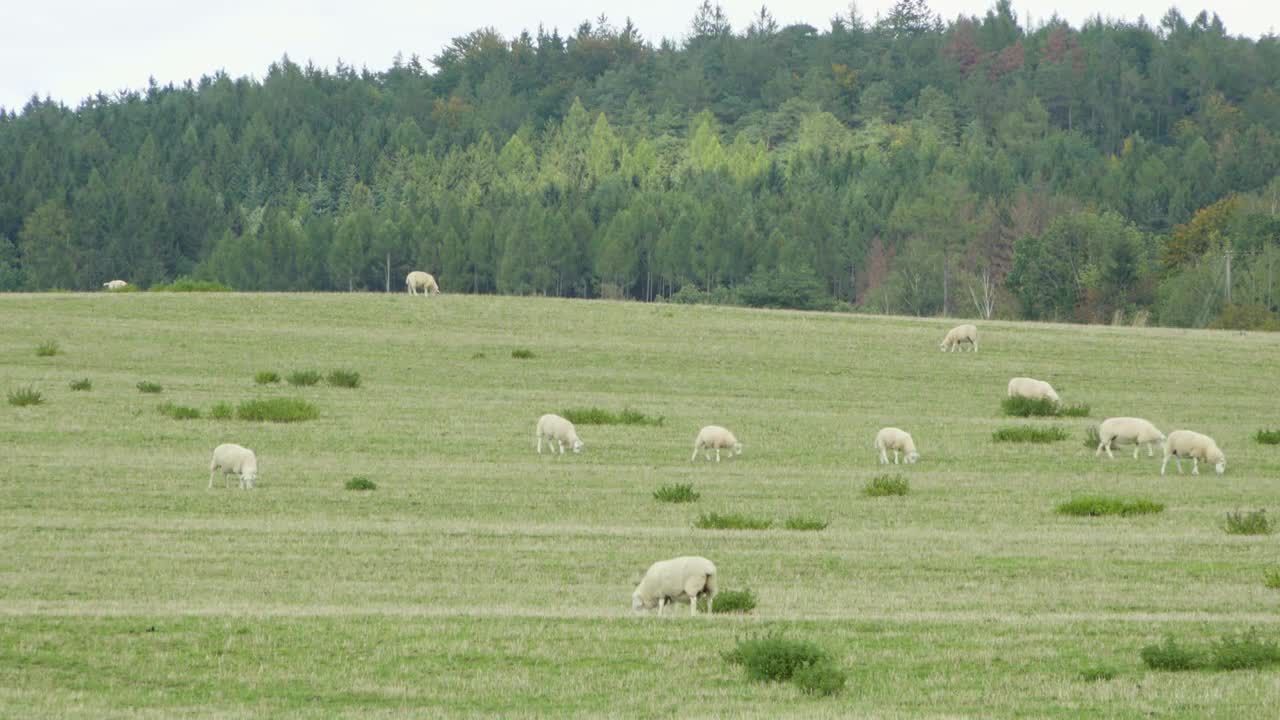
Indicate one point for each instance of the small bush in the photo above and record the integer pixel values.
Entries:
(303, 378)
(82, 384)
(361, 483)
(222, 411)
(186, 284)
(820, 678)
(1027, 407)
(343, 378)
(1249, 523)
(1029, 433)
(598, 416)
(732, 521)
(178, 412)
(1074, 410)
(146, 386)
(1099, 505)
(1098, 672)
(884, 485)
(266, 377)
(676, 493)
(774, 658)
(522, 353)
(1091, 437)
(806, 523)
(25, 396)
(478, 356)
(1245, 651)
(48, 348)
(280, 410)
(1172, 656)
(1271, 578)
(731, 601)
(1268, 437)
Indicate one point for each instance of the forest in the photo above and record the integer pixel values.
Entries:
(1116, 172)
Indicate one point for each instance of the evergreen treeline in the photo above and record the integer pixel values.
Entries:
(906, 165)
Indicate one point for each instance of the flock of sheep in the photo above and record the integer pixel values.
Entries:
(686, 578)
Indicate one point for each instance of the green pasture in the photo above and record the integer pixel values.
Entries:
(480, 579)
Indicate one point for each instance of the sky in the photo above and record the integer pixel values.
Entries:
(72, 50)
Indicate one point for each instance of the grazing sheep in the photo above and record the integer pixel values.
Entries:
(891, 438)
(233, 459)
(114, 284)
(557, 431)
(418, 280)
(1125, 430)
(675, 580)
(1185, 443)
(1032, 388)
(715, 437)
(960, 335)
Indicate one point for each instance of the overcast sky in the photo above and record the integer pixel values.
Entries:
(71, 50)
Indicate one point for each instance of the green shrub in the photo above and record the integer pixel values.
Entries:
(344, 378)
(1098, 672)
(222, 411)
(1268, 437)
(1172, 656)
(1249, 523)
(361, 483)
(25, 396)
(731, 521)
(1246, 317)
(1099, 505)
(784, 287)
(679, 493)
(522, 353)
(82, 384)
(885, 485)
(599, 416)
(1018, 406)
(146, 386)
(730, 601)
(1271, 578)
(303, 378)
(820, 678)
(48, 348)
(1074, 410)
(775, 658)
(1029, 433)
(266, 377)
(178, 412)
(186, 284)
(478, 356)
(280, 410)
(1243, 651)
(805, 523)
(1091, 437)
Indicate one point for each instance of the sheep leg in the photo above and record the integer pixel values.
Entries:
(662, 600)
(561, 445)
(717, 454)
(1178, 460)
(539, 444)
(1151, 450)
(1195, 465)
(884, 458)
(212, 472)
(1163, 463)
(695, 454)
(1136, 448)
(895, 456)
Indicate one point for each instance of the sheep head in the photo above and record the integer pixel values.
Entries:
(912, 457)
(577, 446)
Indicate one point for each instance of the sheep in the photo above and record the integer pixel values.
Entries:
(891, 438)
(959, 335)
(1032, 388)
(675, 580)
(114, 284)
(1123, 430)
(418, 280)
(234, 459)
(557, 431)
(715, 437)
(1185, 443)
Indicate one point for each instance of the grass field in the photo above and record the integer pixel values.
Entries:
(483, 580)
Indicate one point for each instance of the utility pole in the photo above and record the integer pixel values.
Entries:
(1228, 253)
(388, 272)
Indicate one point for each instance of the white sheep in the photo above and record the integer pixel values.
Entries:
(114, 284)
(418, 280)
(1185, 443)
(557, 431)
(891, 438)
(1031, 388)
(959, 335)
(677, 579)
(714, 437)
(1125, 430)
(233, 459)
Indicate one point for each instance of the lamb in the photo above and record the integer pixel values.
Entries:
(1032, 388)
(418, 280)
(715, 437)
(557, 431)
(677, 579)
(1185, 443)
(891, 438)
(114, 284)
(1123, 430)
(233, 459)
(958, 335)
